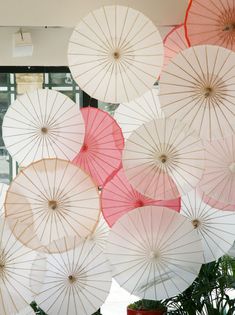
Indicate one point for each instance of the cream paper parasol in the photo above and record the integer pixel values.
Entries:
(132, 115)
(3, 190)
(115, 54)
(53, 198)
(163, 159)
(216, 228)
(43, 124)
(154, 253)
(77, 281)
(21, 271)
(198, 87)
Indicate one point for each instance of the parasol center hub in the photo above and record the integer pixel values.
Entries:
(232, 167)
(230, 27)
(71, 278)
(44, 130)
(154, 255)
(209, 91)
(139, 203)
(196, 223)
(53, 204)
(163, 158)
(84, 148)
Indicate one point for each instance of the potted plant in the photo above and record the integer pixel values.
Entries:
(147, 307)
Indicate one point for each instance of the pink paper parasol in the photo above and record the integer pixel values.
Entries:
(211, 22)
(119, 197)
(218, 180)
(174, 42)
(101, 153)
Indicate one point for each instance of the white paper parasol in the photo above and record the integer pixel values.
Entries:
(3, 190)
(53, 198)
(163, 159)
(115, 54)
(154, 253)
(198, 87)
(216, 228)
(77, 282)
(218, 180)
(43, 124)
(132, 115)
(21, 269)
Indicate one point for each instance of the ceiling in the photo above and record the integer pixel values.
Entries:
(67, 13)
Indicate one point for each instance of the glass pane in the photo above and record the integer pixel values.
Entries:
(60, 79)
(4, 78)
(108, 107)
(4, 156)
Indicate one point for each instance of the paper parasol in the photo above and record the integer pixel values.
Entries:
(115, 54)
(132, 115)
(77, 282)
(163, 159)
(101, 152)
(231, 252)
(218, 180)
(174, 42)
(54, 198)
(43, 124)
(101, 233)
(211, 22)
(3, 190)
(17, 273)
(119, 197)
(154, 253)
(198, 88)
(216, 228)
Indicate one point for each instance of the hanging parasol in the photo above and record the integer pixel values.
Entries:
(198, 88)
(132, 115)
(211, 22)
(53, 198)
(154, 253)
(20, 270)
(218, 180)
(77, 282)
(174, 42)
(43, 124)
(163, 159)
(115, 54)
(216, 228)
(101, 233)
(101, 152)
(119, 197)
(3, 190)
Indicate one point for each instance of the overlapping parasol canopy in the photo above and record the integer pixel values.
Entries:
(43, 124)
(53, 198)
(115, 54)
(154, 253)
(101, 152)
(163, 159)
(3, 190)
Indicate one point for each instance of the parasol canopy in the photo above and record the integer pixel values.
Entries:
(77, 282)
(198, 87)
(211, 22)
(3, 190)
(163, 159)
(21, 271)
(154, 253)
(115, 54)
(43, 124)
(101, 152)
(119, 197)
(132, 115)
(53, 198)
(216, 228)
(174, 42)
(101, 233)
(218, 180)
